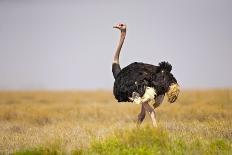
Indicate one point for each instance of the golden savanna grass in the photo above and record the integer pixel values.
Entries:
(73, 120)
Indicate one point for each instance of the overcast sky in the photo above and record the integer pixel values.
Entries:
(70, 44)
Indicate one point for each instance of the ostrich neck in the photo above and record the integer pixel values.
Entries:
(117, 53)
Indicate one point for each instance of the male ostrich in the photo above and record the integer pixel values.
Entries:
(142, 83)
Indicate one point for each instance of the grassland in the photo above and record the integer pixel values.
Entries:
(200, 122)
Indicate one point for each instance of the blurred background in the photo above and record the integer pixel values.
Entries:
(67, 44)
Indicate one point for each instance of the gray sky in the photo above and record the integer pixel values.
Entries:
(70, 44)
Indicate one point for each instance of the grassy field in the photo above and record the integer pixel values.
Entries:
(200, 122)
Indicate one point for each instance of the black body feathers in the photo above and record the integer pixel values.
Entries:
(137, 76)
(165, 66)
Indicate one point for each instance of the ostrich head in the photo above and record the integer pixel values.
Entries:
(168, 81)
(120, 26)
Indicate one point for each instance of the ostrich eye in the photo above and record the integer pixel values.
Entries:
(121, 24)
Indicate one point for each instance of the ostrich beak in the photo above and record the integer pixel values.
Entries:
(115, 26)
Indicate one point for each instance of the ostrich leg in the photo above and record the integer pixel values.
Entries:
(141, 116)
(151, 111)
(158, 100)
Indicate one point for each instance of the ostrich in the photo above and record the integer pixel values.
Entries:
(143, 83)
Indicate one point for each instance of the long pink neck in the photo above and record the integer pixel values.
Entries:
(119, 47)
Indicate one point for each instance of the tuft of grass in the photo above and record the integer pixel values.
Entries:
(147, 141)
(40, 151)
(52, 148)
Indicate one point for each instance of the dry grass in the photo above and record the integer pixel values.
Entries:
(72, 120)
